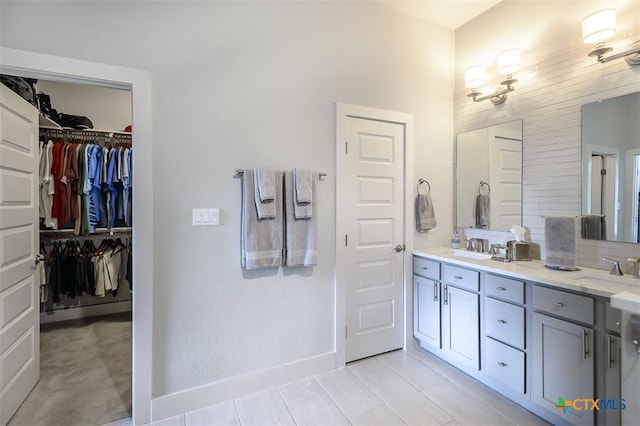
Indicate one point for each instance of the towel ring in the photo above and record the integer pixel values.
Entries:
(483, 183)
(420, 182)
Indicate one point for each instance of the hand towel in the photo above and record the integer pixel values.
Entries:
(483, 211)
(301, 235)
(594, 227)
(560, 242)
(425, 215)
(261, 238)
(302, 181)
(265, 192)
(265, 183)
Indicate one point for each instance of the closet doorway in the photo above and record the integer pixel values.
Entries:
(46, 67)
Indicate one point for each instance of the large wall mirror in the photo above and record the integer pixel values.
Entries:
(489, 177)
(611, 169)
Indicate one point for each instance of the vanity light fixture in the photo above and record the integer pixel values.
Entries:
(508, 63)
(601, 26)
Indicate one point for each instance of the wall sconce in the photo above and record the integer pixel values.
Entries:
(508, 63)
(600, 26)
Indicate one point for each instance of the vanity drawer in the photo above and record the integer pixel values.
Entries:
(505, 364)
(504, 288)
(504, 322)
(426, 268)
(567, 305)
(461, 277)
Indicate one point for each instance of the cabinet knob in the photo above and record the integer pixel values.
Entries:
(559, 305)
(457, 277)
(502, 364)
(499, 288)
(501, 321)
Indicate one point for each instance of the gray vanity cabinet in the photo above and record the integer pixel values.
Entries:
(446, 311)
(563, 355)
(461, 315)
(612, 366)
(426, 300)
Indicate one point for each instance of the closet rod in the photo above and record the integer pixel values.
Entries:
(240, 172)
(86, 133)
(68, 233)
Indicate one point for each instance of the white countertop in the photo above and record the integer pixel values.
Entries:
(586, 280)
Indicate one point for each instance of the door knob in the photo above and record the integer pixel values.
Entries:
(39, 258)
(399, 248)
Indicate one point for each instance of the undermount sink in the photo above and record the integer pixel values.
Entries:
(471, 254)
(603, 279)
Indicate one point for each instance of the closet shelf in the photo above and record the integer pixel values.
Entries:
(52, 233)
(46, 123)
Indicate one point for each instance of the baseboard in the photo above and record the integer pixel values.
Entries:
(77, 312)
(199, 397)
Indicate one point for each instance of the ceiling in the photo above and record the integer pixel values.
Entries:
(448, 13)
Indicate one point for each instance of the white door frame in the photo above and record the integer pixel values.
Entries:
(36, 65)
(343, 111)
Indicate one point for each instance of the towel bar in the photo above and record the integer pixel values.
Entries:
(240, 172)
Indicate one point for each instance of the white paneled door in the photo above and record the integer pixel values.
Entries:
(19, 292)
(371, 250)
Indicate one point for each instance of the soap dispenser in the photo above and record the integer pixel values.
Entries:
(455, 239)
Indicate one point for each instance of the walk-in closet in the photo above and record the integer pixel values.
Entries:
(84, 267)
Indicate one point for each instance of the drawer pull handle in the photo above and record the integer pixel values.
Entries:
(457, 277)
(502, 364)
(435, 291)
(559, 305)
(501, 321)
(446, 295)
(424, 267)
(609, 351)
(499, 288)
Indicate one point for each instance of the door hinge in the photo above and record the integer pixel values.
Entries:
(603, 172)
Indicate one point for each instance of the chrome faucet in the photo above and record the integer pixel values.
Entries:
(615, 269)
(636, 266)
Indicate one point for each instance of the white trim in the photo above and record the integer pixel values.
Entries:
(24, 63)
(342, 112)
(224, 390)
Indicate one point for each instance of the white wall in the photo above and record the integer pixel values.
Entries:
(237, 85)
(556, 80)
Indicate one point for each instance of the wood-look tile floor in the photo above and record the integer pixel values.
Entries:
(396, 388)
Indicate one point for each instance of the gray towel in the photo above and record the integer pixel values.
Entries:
(425, 215)
(265, 183)
(303, 193)
(261, 238)
(483, 211)
(301, 235)
(594, 227)
(265, 192)
(560, 242)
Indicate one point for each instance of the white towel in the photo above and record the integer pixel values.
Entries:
(265, 192)
(303, 193)
(261, 238)
(301, 235)
(560, 242)
(425, 215)
(483, 211)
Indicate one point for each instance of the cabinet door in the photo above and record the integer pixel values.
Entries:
(461, 325)
(562, 366)
(612, 379)
(426, 312)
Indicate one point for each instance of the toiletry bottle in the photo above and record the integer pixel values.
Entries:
(455, 240)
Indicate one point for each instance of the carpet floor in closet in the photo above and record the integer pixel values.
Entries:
(85, 373)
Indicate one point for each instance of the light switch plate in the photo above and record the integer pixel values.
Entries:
(205, 217)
